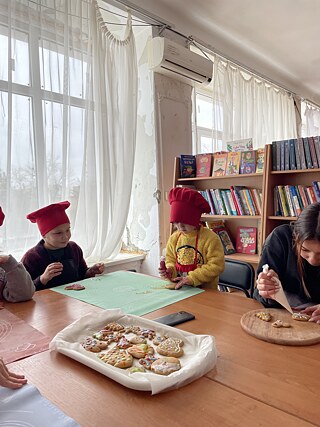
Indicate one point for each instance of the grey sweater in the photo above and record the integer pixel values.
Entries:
(15, 282)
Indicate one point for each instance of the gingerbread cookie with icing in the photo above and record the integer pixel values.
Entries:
(166, 365)
(301, 317)
(117, 357)
(94, 345)
(170, 347)
(263, 315)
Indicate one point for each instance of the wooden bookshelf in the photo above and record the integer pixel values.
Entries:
(266, 182)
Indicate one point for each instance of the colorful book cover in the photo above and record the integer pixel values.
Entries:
(246, 241)
(260, 160)
(203, 164)
(233, 163)
(219, 164)
(240, 145)
(227, 244)
(187, 166)
(248, 162)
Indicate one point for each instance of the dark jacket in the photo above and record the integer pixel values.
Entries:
(38, 258)
(279, 254)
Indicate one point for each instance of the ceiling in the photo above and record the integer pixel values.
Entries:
(279, 39)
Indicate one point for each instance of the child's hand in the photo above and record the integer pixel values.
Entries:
(166, 273)
(97, 269)
(267, 284)
(181, 281)
(8, 379)
(54, 269)
(314, 312)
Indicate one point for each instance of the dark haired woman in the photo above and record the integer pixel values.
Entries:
(292, 252)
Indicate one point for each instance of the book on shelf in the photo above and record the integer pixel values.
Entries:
(316, 190)
(274, 155)
(302, 153)
(203, 164)
(233, 163)
(282, 156)
(248, 162)
(240, 145)
(188, 166)
(210, 201)
(307, 152)
(297, 153)
(286, 155)
(311, 195)
(246, 240)
(289, 200)
(292, 155)
(313, 154)
(237, 201)
(219, 164)
(316, 140)
(295, 200)
(260, 160)
(282, 200)
(219, 227)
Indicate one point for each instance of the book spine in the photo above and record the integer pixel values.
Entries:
(316, 140)
(279, 201)
(311, 195)
(302, 193)
(276, 204)
(298, 196)
(297, 154)
(286, 155)
(210, 201)
(292, 155)
(226, 202)
(307, 153)
(282, 154)
(316, 190)
(302, 154)
(215, 201)
(222, 208)
(231, 202)
(274, 155)
(295, 200)
(251, 204)
(256, 199)
(289, 200)
(245, 195)
(283, 201)
(238, 201)
(313, 152)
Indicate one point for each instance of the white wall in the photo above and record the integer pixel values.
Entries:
(163, 132)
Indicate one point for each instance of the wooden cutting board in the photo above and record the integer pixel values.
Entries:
(299, 333)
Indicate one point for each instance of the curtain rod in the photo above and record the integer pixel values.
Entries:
(168, 26)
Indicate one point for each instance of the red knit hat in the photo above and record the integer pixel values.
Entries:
(50, 217)
(2, 215)
(187, 206)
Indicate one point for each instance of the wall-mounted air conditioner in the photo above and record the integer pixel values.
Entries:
(171, 58)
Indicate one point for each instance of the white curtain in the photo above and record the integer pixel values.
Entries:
(67, 121)
(245, 107)
(312, 121)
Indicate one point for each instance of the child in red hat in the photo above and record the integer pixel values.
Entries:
(56, 260)
(15, 282)
(194, 254)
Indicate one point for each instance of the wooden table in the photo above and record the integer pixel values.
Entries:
(254, 383)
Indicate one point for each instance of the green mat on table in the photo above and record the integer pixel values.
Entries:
(134, 293)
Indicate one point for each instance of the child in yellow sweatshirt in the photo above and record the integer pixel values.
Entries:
(194, 254)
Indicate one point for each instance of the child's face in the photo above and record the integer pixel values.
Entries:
(185, 228)
(58, 237)
(310, 251)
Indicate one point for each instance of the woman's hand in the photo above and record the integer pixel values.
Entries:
(52, 270)
(314, 312)
(267, 284)
(8, 379)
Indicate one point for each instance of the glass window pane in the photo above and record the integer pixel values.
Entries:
(3, 54)
(20, 59)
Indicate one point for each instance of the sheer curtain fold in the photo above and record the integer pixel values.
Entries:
(68, 101)
(245, 107)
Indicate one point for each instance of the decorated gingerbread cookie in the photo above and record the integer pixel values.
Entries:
(117, 357)
(165, 365)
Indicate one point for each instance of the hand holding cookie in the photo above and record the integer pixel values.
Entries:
(54, 269)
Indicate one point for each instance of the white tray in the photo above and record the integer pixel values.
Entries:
(199, 357)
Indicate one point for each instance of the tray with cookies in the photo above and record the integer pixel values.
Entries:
(138, 353)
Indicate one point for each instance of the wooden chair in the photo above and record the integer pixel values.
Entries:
(238, 275)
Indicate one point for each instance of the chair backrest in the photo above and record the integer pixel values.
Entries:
(238, 275)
